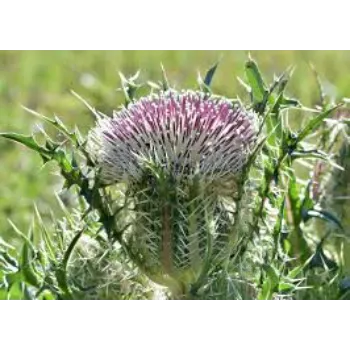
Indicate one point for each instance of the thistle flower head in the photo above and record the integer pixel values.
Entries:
(177, 151)
(183, 132)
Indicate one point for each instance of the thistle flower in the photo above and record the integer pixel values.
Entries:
(185, 133)
(176, 151)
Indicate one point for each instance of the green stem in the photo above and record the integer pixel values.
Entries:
(193, 236)
(166, 241)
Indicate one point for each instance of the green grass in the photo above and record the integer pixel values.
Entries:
(42, 81)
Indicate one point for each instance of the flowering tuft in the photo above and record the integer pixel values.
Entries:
(184, 132)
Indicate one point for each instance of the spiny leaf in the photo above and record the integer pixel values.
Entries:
(204, 84)
(29, 142)
(26, 264)
(6, 245)
(255, 80)
(283, 79)
(278, 225)
(8, 263)
(201, 83)
(273, 274)
(293, 195)
(209, 76)
(13, 284)
(285, 286)
(61, 273)
(244, 85)
(279, 84)
(277, 105)
(154, 86)
(97, 114)
(274, 122)
(323, 215)
(291, 102)
(22, 235)
(61, 157)
(129, 86)
(266, 291)
(46, 237)
(165, 83)
(315, 154)
(295, 272)
(307, 203)
(319, 85)
(308, 109)
(57, 123)
(64, 209)
(314, 123)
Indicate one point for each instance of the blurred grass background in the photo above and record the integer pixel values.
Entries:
(42, 80)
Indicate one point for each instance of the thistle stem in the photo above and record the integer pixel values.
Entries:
(193, 226)
(166, 242)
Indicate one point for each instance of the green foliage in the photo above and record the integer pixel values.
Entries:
(69, 260)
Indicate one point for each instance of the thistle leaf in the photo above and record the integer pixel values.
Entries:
(320, 86)
(314, 123)
(165, 82)
(314, 154)
(26, 263)
(5, 245)
(258, 86)
(244, 85)
(129, 86)
(49, 245)
(210, 74)
(29, 142)
(61, 273)
(323, 215)
(56, 123)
